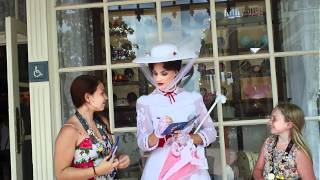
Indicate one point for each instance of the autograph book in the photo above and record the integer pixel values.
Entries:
(178, 126)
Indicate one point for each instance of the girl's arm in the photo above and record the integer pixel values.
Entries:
(304, 166)
(258, 168)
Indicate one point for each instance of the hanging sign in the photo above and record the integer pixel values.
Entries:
(38, 71)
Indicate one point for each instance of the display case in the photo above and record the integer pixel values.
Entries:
(128, 85)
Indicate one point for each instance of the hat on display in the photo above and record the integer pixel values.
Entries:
(165, 52)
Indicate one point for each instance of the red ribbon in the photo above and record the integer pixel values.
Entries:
(170, 95)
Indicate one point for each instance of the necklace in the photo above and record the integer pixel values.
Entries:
(92, 135)
(271, 174)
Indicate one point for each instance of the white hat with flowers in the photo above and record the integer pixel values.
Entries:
(165, 52)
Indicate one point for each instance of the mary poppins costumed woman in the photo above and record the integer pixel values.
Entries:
(179, 154)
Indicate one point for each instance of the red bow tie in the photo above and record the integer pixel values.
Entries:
(170, 95)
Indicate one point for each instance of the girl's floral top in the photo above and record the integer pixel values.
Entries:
(88, 154)
(284, 164)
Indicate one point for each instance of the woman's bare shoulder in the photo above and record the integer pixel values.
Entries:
(70, 129)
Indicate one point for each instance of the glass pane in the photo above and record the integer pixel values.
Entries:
(66, 79)
(206, 84)
(242, 149)
(6, 9)
(247, 85)
(128, 85)
(299, 82)
(241, 27)
(296, 25)
(22, 13)
(128, 145)
(80, 38)
(311, 135)
(214, 160)
(73, 2)
(187, 25)
(133, 31)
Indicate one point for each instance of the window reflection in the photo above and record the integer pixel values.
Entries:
(295, 25)
(242, 149)
(66, 79)
(297, 73)
(73, 2)
(187, 24)
(245, 83)
(132, 30)
(80, 37)
(241, 28)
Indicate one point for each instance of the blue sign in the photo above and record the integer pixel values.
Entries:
(38, 71)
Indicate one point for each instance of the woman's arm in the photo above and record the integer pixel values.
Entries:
(207, 133)
(124, 159)
(304, 166)
(64, 153)
(146, 138)
(258, 168)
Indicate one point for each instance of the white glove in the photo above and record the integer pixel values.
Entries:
(162, 125)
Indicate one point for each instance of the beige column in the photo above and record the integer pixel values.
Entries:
(40, 101)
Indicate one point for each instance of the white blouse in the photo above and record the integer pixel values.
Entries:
(155, 106)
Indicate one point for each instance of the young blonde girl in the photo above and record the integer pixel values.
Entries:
(284, 154)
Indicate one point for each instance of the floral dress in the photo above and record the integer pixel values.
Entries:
(91, 151)
(283, 164)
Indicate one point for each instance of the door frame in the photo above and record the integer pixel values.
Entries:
(13, 28)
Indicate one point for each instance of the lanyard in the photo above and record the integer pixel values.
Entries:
(90, 132)
(286, 153)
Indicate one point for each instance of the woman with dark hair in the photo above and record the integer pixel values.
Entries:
(83, 146)
(173, 154)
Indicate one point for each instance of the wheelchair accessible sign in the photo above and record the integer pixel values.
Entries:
(38, 71)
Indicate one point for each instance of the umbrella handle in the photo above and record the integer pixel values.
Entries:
(219, 98)
(205, 117)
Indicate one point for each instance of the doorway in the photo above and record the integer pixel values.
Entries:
(25, 147)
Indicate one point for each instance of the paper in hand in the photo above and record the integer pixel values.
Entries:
(178, 126)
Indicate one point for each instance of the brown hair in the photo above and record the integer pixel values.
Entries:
(80, 86)
(294, 114)
(168, 65)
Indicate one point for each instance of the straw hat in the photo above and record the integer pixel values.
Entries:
(165, 52)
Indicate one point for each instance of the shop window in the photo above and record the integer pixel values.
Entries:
(187, 23)
(301, 74)
(242, 149)
(295, 25)
(241, 27)
(132, 30)
(79, 37)
(246, 84)
(74, 2)
(299, 71)
(128, 145)
(67, 107)
(128, 85)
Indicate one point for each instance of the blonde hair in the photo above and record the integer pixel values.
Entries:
(294, 114)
